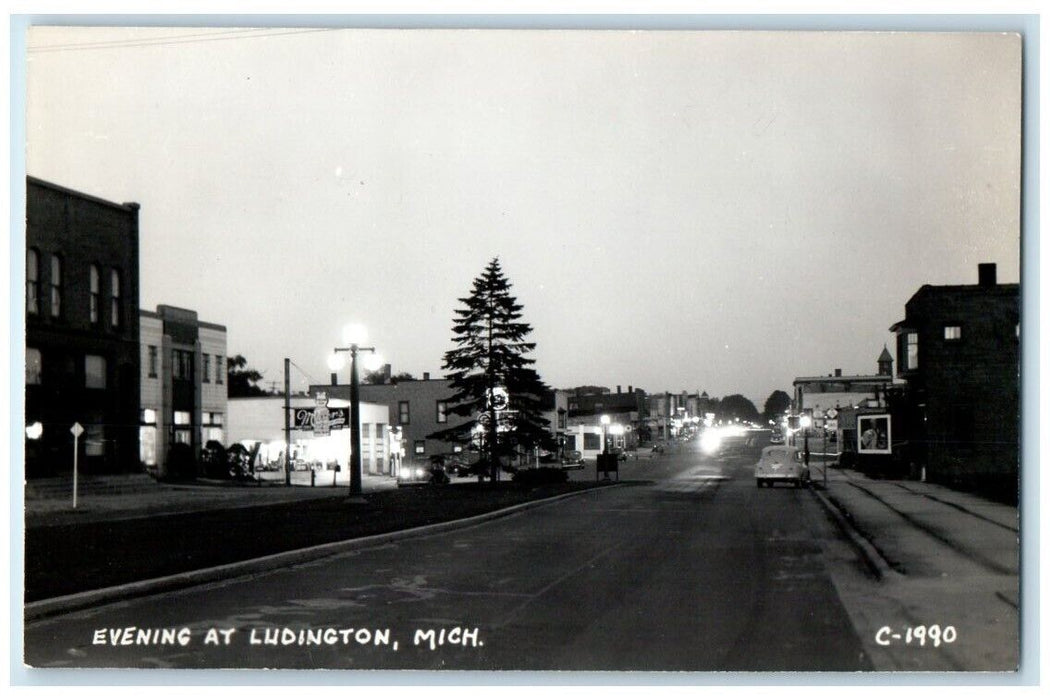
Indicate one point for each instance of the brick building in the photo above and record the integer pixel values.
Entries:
(82, 331)
(958, 348)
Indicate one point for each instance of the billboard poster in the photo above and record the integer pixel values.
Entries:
(873, 434)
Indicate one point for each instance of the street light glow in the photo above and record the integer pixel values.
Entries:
(336, 362)
(373, 362)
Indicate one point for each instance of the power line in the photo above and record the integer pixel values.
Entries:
(237, 34)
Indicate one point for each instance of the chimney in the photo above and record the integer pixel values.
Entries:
(630, 389)
(838, 372)
(335, 379)
(986, 274)
(617, 388)
(426, 376)
(386, 374)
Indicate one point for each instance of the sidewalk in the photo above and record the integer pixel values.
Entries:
(941, 557)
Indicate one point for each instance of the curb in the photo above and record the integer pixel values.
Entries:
(875, 561)
(51, 607)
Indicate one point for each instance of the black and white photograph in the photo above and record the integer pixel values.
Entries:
(628, 347)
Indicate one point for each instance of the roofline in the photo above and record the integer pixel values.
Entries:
(850, 378)
(128, 206)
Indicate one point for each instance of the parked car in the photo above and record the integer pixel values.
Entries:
(451, 462)
(781, 463)
(417, 474)
(776, 439)
(572, 459)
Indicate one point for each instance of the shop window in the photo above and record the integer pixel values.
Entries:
(592, 441)
(34, 366)
(148, 445)
(32, 281)
(442, 411)
(94, 372)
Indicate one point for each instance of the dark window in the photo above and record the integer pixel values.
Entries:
(206, 369)
(96, 293)
(114, 299)
(94, 372)
(218, 369)
(442, 411)
(911, 350)
(592, 441)
(402, 412)
(32, 281)
(56, 286)
(34, 366)
(152, 360)
(181, 364)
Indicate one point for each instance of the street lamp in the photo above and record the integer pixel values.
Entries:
(354, 337)
(804, 422)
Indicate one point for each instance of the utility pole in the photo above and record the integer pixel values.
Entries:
(287, 426)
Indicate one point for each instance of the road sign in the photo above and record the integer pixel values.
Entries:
(831, 413)
(77, 430)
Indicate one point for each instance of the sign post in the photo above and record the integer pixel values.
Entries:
(77, 431)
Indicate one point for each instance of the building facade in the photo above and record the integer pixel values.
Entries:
(82, 331)
(183, 380)
(958, 349)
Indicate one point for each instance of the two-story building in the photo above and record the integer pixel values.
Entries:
(183, 380)
(82, 331)
(958, 349)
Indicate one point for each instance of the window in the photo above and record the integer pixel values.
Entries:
(33, 366)
(181, 364)
(96, 293)
(182, 418)
(911, 349)
(206, 370)
(56, 286)
(402, 412)
(218, 369)
(148, 416)
(114, 298)
(442, 411)
(592, 441)
(152, 349)
(94, 372)
(420, 447)
(32, 281)
(953, 332)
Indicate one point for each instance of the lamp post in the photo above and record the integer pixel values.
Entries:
(605, 429)
(805, 421)
(354, 336)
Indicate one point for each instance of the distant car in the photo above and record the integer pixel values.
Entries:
(572, 459)
(781, 463)
(416, 474)
(776, 439)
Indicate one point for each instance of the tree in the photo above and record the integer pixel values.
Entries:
(489, 365)
(241, 379)
(777, 403)
(738, 406)
(379, 377)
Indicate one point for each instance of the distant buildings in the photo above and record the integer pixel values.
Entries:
(183, 378)
(82, 331)
(958, 349)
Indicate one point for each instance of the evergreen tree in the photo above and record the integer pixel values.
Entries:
(488, 365)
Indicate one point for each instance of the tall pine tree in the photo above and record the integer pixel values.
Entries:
(491, 373)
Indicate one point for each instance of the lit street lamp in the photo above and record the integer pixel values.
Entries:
(354, 336)
(805, 421)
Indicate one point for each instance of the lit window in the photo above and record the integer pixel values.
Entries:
(420, 447)
(442, 411)
(402, 412)
(182, 418)
(96, 294)
(114, 298)
(953, 332)
(56, 286)
(149, 416)
(94, 372)
(33, 366)
(911, 341)
(32, 281)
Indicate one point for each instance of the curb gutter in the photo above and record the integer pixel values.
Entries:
(872, 557)
(78, 601)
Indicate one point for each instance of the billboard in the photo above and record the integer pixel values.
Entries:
(873, 434)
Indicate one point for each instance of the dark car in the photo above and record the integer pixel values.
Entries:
(572, 459)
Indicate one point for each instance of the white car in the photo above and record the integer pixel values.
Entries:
(781, 463)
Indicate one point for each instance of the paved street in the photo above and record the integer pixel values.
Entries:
(688, 567)
(685, 565)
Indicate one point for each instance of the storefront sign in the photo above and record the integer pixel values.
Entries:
(338, 418)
